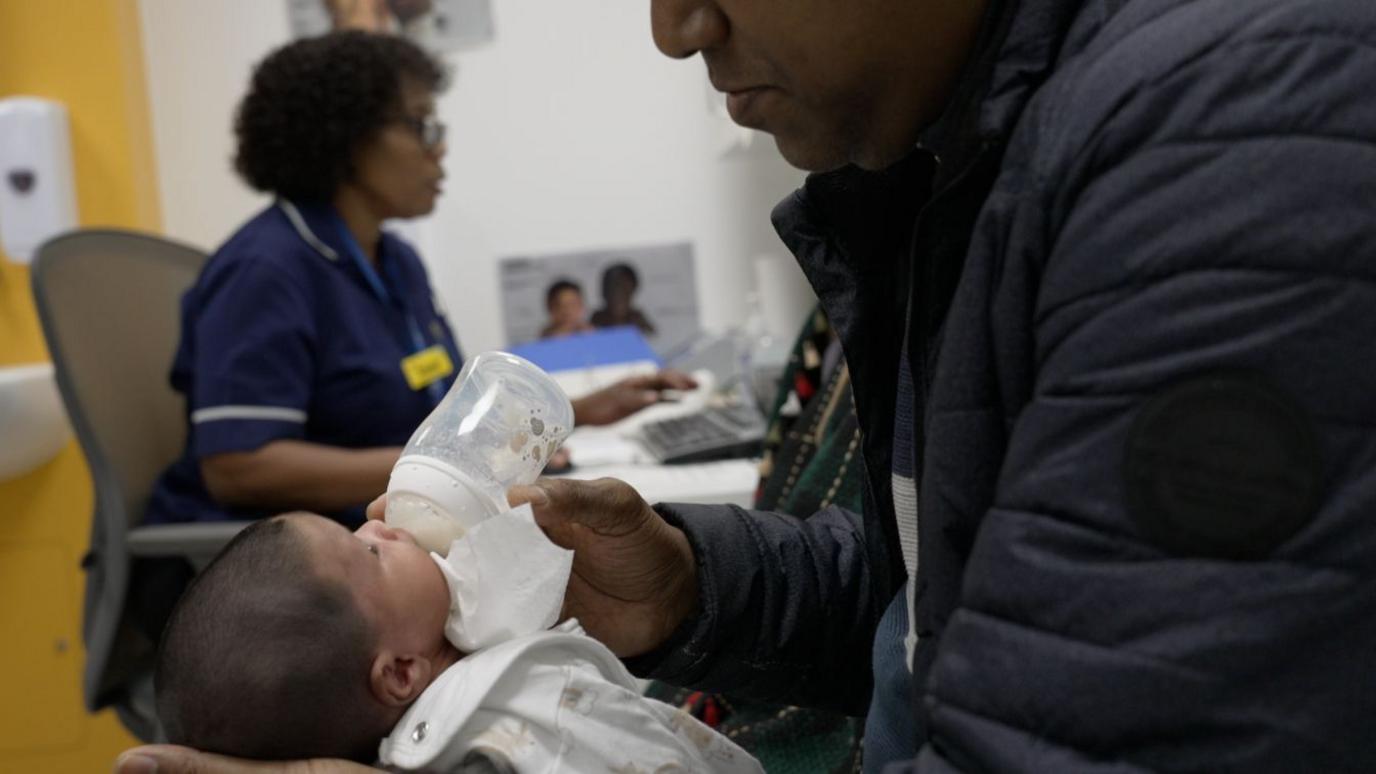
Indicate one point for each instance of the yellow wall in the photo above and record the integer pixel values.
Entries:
(86, 54)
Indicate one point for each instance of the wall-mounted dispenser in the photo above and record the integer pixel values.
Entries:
(37, 188)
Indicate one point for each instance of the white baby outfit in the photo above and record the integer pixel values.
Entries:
(548, 701)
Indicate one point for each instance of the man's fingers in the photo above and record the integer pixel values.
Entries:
(559, 459)
(172, 759)
(327, 767)
(534, 494)
(559, 502)
(135, 762)
(377, 509)
(552, 509)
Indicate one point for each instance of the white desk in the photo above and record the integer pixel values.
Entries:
(599, 452)
(727, 481)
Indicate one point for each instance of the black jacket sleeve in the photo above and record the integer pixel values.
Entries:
(787, 611)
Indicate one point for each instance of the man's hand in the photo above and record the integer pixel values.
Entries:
(634, 576)
(620, 400)
(377, 509)
(171, 759)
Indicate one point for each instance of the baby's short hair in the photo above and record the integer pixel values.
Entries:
(264, 657)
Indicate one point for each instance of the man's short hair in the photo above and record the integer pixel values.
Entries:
(619, 271)
(265, 658)
(559, 286)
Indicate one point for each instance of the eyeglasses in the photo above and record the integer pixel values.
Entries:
(430, 129)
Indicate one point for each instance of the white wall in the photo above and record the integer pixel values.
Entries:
(570, 131)
(198, 55)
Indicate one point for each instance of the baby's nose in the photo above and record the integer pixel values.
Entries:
(402, 535)
(376, 529)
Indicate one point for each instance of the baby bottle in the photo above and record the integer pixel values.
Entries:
(495, 429)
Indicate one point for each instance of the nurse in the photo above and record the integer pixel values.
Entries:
(312, 344)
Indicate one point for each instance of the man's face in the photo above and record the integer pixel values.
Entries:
(619, 292)
(835, 81)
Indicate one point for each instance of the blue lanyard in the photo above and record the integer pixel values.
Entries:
(379, 288)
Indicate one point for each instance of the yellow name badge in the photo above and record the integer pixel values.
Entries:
(427, 367)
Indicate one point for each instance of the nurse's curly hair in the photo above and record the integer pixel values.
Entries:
(313, 102)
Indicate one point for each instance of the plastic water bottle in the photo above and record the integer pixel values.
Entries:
(494, 430)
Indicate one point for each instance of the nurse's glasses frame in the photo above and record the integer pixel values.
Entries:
(430, 129)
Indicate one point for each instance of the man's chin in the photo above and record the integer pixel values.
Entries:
(810, 155)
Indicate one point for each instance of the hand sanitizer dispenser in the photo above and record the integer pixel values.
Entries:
(37, 190)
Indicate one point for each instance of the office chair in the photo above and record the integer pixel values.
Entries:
(108, 304)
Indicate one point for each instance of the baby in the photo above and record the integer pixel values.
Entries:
(303, 640)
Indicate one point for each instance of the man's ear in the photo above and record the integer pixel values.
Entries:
(397, 680)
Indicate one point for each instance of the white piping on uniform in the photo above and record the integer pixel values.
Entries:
(304, 231)
(279, 413)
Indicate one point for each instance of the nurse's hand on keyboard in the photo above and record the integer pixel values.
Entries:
(634, 576)
(622, 399)
(171, 759)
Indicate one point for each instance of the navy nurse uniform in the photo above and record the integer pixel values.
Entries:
(289, 334)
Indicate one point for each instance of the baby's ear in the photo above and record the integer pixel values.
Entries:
(397, 680)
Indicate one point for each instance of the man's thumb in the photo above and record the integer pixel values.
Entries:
(536, 495)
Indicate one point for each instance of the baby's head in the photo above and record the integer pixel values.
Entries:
(302, 639)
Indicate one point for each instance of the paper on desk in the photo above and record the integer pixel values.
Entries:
(724, 481)
(598, 446)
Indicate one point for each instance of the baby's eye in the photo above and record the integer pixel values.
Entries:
(373, 548)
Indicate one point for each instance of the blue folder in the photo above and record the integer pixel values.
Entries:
(606, 346)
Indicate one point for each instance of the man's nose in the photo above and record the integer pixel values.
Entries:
(682, 28)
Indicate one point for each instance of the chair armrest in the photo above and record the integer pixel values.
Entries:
(200, 540)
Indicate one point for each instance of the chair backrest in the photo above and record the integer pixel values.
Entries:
(108, 303)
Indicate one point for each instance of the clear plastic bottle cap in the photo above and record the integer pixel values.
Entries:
(494, 430)
(436, 502)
